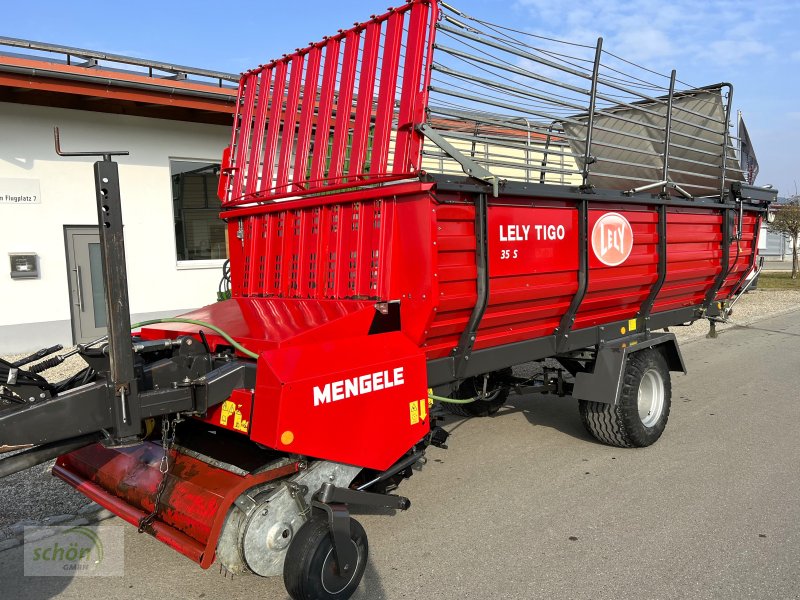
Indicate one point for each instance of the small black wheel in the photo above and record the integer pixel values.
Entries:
(311, 571)
(642, 410)
(473, 386)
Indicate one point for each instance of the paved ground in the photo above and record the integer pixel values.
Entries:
(525, 505)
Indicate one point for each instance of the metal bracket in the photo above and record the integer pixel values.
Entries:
(334, 500)
(470, 167)
(329, 493)
(660, 184)
(759, 268)
(339, 523)
(106, 154)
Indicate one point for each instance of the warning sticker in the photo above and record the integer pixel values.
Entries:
(414, 412)
(231, 409)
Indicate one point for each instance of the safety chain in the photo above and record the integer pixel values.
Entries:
(167, 441)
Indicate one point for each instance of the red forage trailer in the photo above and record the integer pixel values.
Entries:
(414, 207)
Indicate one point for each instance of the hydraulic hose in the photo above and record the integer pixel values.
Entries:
(451, 400)
(213, 328)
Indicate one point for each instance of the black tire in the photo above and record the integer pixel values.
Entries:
(469, 388)
(622, 425)
(310, 571)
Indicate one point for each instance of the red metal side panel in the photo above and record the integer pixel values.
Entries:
(350, 83)
(365, 403)
(533, 264)
(617, 292)
(694, 255)
(328, 251)
(341, 247)
(402, 243)
(455, 254)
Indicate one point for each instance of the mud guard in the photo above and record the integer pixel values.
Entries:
(603, 384)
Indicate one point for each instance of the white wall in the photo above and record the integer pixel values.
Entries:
(156, 282)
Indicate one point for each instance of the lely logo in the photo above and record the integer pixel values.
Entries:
(612, 239)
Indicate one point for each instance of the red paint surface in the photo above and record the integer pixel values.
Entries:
(336, 76)
(371, 429)
(525, 241)
(195, 501)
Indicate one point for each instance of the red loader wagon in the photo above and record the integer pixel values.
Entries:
(414, 206)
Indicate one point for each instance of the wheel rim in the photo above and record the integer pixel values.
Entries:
(332, 582)
(651, 397)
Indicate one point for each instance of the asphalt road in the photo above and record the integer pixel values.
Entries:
(525, 505)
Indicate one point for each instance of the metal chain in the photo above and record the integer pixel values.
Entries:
(167, 441)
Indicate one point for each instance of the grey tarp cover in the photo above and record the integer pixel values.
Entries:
(628, 144)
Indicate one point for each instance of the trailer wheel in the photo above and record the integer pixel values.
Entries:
(480, 408)
(642, 410)
(311, 572)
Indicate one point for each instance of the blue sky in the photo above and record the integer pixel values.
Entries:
(754, 45)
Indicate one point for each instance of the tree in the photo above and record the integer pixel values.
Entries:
(787, 222)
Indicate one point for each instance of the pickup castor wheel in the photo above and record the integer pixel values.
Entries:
(495, 398)
(311, 571)
(642, 409)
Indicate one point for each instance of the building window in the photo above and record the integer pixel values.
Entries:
(199, 232)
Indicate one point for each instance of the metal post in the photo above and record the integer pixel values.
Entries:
(587, 155)
(568, 320)
(462, 352)
(548, 139)
(725, 139)
(123, 392)
(668, 133)
(112, 253)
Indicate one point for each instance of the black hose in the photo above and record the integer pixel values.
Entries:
(22, 376)
(393, 470)
(46, 364)
(37, 355)
(78, 379)
(40, 454)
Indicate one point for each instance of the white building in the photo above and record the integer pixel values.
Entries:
(174, 122)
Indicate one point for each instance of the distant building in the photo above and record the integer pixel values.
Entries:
(775, 246)
(173, 120)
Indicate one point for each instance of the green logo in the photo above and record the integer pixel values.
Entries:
(75, 551)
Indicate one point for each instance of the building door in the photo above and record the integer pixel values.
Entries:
(86, 288)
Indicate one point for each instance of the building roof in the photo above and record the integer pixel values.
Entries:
(61, 76)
